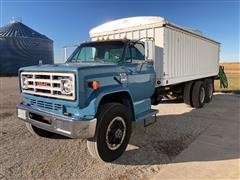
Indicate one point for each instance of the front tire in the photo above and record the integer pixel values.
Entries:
(112, 134)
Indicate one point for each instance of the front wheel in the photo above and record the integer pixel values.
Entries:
(112, 134)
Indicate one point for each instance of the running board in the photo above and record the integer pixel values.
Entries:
(145, 115)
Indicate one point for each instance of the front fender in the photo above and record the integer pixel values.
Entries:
(96, 96)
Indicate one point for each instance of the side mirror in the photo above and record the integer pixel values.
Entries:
(149, 49)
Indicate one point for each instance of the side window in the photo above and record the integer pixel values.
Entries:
(138, 52)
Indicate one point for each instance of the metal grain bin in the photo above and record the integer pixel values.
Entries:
(22, 46)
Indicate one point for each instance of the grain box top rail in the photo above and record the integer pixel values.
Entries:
(137, 23)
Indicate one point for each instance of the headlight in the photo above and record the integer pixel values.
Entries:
(66, 86)
(24, 82)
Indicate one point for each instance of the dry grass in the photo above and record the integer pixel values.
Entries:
(231, 67)
(232, 71)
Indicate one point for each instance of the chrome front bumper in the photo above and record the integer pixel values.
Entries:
(64, 125)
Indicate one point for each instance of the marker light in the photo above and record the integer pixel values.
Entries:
(94, 85)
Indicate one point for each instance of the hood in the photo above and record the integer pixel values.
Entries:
(66, 66)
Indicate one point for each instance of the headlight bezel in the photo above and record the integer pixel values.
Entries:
(67, 89)
(24, 82)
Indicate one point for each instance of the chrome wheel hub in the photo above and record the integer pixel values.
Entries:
(116, 133)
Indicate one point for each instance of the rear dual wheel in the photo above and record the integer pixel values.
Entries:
(187, 93)
(198, 94)
(209, 88)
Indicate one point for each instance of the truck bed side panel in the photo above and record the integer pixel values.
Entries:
(180, 55)
(187, 57)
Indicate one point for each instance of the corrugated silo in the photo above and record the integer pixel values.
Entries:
(22, 46)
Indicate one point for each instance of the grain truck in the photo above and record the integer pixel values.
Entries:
(110, 83)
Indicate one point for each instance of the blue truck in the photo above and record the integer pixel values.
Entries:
(108, 84)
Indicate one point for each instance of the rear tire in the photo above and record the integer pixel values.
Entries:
(208, 84)
(112, 133)
(187, 93)
(38, 132)
(198, 95)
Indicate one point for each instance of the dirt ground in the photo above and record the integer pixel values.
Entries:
(23, 156)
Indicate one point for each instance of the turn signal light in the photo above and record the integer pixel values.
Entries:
(94, 85)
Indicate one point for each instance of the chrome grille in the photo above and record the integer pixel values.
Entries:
(47, 84)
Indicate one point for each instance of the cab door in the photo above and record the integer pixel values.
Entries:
(140, 73)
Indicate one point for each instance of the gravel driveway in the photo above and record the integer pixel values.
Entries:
(23, 156)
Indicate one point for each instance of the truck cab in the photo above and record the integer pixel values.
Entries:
(102, 89)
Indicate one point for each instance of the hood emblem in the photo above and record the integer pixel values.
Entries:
(123, 78)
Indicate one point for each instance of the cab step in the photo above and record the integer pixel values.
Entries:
(145, 116)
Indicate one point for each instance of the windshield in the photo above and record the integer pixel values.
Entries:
(111, 51)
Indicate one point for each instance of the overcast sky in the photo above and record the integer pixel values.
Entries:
(68, 22)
